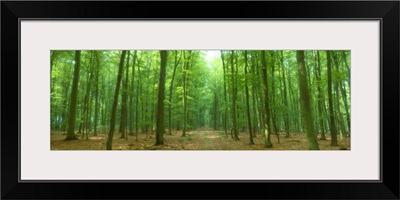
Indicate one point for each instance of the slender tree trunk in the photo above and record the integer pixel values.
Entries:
(305, 103)
(344, 96)
(347, 67)
(272, 111)
(320, 97)
(292, 106)
(74, 95)
(53, 55)
(188, 90)
(65, 109)
(337, 95)
(254, 89)
(185, 68)
(52, 63)
(160, 100)
(215, 110)
(326, 113)
(255, 113)
(225, 101)
(85, 111)
(346, 106)
(115, 102)
(170, 93)
(234, 96)
(247, 99)
(103, 102)
(339, 113)
(131, 99)
(138, 99)
(285, 98)
(89, 115)
(92, 101)
(332, 124)
(124, 101)
(260, 96)
(267, 130)
(96, 107)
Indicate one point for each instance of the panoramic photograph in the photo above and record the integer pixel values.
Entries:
(200, 100)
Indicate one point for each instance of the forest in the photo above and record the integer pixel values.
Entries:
(200, 99)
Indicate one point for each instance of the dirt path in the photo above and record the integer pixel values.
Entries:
(206, 139)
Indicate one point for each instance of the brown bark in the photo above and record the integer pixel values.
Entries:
(74, 94)
(160, 100)
(115, 102)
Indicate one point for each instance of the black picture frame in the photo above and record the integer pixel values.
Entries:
(385, 11)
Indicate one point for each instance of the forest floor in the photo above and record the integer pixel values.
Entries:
(204, 139)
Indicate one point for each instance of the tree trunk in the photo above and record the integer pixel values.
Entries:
(170, 93)
(96, 107)
(185, 68)
(65, 109)
(87, 99)
(53, 55)
(131, 99)
(74, 94)
(267, 130)
(293, 102)
(285, 99)
(337, 95)
(124, 109)
(187, 94)
(160, 100)
(320, 97)
(254, 91)
(272, 111)
(247, 99)
(305, 103)
(347, 67)
(225, 96)
(138, 99)
(234, 96)
(115, 102)
(215, 110)
(344, 95)
(332, 125)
